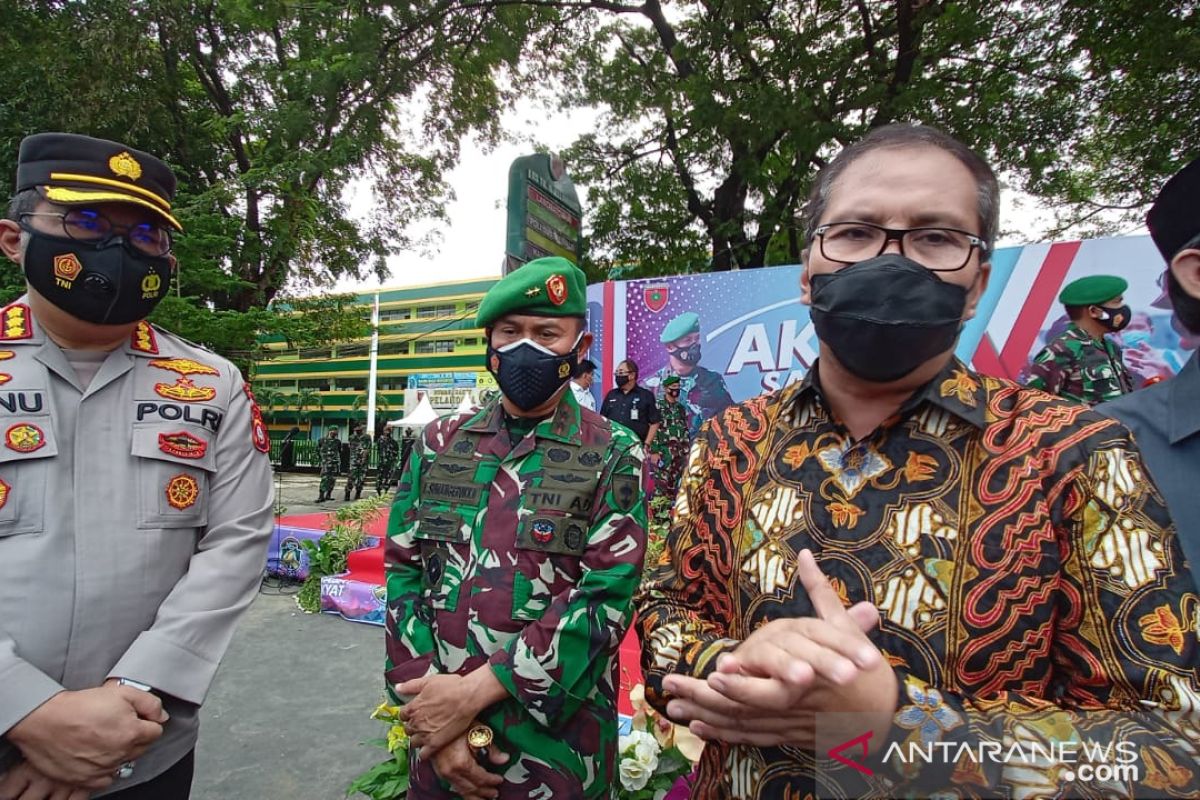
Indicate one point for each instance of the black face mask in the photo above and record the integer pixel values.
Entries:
(1187, 308)
(529, 374)
(1116, 319)
(687, 355)
(105, 284)
(886, 316)
(621, 380)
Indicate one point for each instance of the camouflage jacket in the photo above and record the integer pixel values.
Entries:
(526, 558)
(703, 393)
(389, 449)
(360, 450)
(1076, 367)
(330, 451)
(672, 440)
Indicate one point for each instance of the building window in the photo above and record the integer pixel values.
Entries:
(353, 384)
(348, 350)
(393, 315)
(431, 312)
(396, 384)
(440, 346)
(315, 353)
(319, 384)
(393, 349)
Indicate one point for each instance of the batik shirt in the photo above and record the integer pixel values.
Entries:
(525, 558)
(1078, 367)
(1018, 553)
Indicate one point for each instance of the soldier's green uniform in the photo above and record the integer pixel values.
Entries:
(360, 457)
(329, 450)
(389, 452)
(1075, 365)
(672, 443)
(519, 546)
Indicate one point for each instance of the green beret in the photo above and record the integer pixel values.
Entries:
(670, 380)
(1092, 290)
(545, 287)
(681, 326)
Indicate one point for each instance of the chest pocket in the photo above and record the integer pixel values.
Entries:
(450, 501)
(552, 535)
(174, 465)
(26, 450)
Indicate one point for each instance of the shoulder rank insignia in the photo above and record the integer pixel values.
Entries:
(24, 437)
(143, 339)
(182, 445)
(184, 389)
(258, 429)
(4, 489)
(5, 355)
(182, 491)
(4, 378)
(16, 323)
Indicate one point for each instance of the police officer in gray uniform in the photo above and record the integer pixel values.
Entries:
(135, 487)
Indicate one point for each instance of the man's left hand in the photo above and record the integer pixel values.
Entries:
(441, 712)
(24, 782)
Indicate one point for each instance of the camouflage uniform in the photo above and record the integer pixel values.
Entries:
(1077, 367)
(360, 456)
(672, 443)
(703, 393)
(524, 557)
(330, 452)
(389, 451)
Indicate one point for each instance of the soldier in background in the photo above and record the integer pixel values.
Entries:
(702, 391)
(1082, 364)
(389, 451)
(360, 457)
(330, 452)
(672, 442)
(514, 547)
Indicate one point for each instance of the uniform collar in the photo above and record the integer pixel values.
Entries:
(19, 327)
(1185, 401)
(956, 389)
(561, 426)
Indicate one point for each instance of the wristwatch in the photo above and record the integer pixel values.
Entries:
(479, 738)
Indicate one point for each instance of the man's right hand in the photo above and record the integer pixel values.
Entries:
(455, 763)
(81, 738)
(23, 782)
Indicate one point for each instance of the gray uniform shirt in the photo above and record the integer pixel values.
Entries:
(134, 519)
(1165, 420)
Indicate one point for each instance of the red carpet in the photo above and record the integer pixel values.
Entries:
(366, 566)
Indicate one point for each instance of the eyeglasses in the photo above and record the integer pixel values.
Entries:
(937, 249)
(92, 227)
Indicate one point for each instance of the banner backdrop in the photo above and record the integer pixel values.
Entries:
(756, 336)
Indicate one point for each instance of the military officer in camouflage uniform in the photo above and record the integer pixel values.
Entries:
(672, 442)
(1082, 364)
(389, 451)
(514, 548)
(702, 391)
(330, 452)
(360, 457)
(135, 487)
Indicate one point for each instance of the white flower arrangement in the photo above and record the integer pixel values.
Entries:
(656, 756)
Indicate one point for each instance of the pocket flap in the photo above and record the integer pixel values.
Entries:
(27, 438)
(179, 443)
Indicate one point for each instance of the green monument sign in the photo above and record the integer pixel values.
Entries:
(544, 214)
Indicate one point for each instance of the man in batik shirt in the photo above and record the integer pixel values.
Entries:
(672, 441)
(514, 548)
(899, 551)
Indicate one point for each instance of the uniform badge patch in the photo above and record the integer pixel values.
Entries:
(625, 492)
(143, 339)
(66, 269)
(24, 438)
(16, 322)
(573, 538)
(258, 429)
(182, 491)
(4, 488)
(542, 530)
(558, 455)
(182, 445)
(184, 388)
(591, 458)
(464, 447)
(556, 289)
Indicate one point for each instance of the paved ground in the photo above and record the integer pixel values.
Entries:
(292, 699)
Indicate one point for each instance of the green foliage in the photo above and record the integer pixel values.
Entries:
(387, 780)
(717, 116)
(328, 555)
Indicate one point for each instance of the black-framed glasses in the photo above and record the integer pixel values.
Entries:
(937, 249)
(91, 227)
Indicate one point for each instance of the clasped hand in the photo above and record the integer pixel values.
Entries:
(768, 690)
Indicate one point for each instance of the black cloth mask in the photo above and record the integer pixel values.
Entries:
(1116, 319)
(529, 374)
(621, 380)
(104, 284)
(1187, 308)
(886, 316)
(688, 355)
